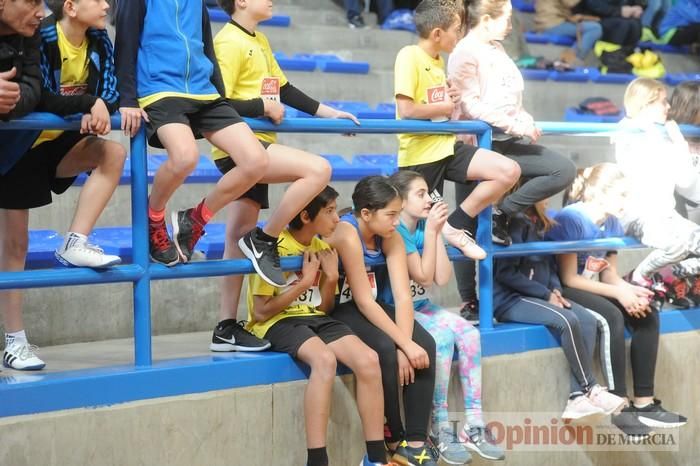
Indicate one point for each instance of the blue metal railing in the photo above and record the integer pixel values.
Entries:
(142, 271)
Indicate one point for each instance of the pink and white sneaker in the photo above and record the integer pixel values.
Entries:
(581, 407)
(605, 400)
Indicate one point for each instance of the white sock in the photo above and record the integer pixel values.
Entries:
(10, 338)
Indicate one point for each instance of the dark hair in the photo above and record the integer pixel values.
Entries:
(373, 193)
(433, 14)
(56, 7)
(321, 200)
(402, 180)
(229, 6)
(685, 103)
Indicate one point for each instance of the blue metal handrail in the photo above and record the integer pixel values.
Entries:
(142, 271)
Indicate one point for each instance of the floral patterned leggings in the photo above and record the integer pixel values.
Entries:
(449, 331)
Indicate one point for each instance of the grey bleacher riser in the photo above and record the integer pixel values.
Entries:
(305, 18)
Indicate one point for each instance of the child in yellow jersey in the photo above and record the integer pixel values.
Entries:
(77, 77)
(294, 318)
(256, 87)
(422, 92)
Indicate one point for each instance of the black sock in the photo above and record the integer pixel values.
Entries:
(460, 219)
(375, 451)
(226, 322)
(262, 236)
(317, 457)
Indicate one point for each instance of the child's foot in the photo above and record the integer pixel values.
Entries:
(264, 256)
(499, 228)
(470, 312)
(449, 448)
(407, 455)
(160, 246)
(462, 240)
(678, 291)
(581, 407)
(77, 252)
(628, 422)
(481, 441)
(186, 231)
(648, 35)
(20, 355)
(230, 335)
(654, 415)
(605, 400)
(356, 22)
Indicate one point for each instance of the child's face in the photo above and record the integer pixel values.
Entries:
(615, 199)
(657, 111)
(326, 220)
(260, 10)
(447, 39)
(498, 28)
(22, 16)
(91, 13)
(418, 201)
(383, 222)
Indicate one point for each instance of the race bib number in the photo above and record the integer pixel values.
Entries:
(594, 265)
(418, 292)
(437, 94)
(311, 296)
(346, 293)
(270, 89)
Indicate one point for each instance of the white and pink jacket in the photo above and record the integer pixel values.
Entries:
(491, 84)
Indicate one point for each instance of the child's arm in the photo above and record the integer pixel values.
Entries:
(329, 279)
(30, 80)
(408, 109)
(443, 270)
(269, 306)
(422, 268)
(395, 253)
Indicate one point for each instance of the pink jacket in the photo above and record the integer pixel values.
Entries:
(491, 84)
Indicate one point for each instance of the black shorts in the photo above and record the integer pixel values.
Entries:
(259, 192)
(452, 168)
(288, 334)
(201, 115)
(30, 182)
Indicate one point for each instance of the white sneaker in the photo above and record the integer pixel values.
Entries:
(77, 252)
(20, 355)
(462, 240)
(605, 400)
(581, 407)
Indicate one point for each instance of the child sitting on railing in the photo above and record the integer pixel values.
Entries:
(599, 194)
(527, 289)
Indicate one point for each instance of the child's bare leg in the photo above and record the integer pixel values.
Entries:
(497, 174)
(183, 155)
(106, 160)
(309, 174)
(14, 238)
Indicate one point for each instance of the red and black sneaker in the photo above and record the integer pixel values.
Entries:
(470, 311)
(160, 246)
(678, 292)
(187, 231)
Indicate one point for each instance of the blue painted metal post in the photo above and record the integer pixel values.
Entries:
(483, 237)
(139, 220)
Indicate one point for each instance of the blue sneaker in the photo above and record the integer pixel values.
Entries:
(450, 449)
(480, 441)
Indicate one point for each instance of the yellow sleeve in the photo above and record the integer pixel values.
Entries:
(275, 67)
(259, 287)
(229, 56)
(405, 74)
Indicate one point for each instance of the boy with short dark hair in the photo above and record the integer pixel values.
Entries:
(295, 319)
(77, 77)
(422, 92)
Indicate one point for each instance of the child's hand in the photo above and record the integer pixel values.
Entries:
(437, 216)
(274, 111)
(86, 124)
(562, 300)
(131, 119)
(534, 134)
(406, 373)
(445, 108)
(346, 116)
(310, 266)
(554, 300)
(453, 93)
(9, 91)
(100, 122)
(417, 356)
(329, 263)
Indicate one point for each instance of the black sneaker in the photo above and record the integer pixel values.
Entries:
(654, 415)
(356, 22)
(187, 232)
(230, 335)
(628, 422)
(424, 455)
(160, 247)
(264, 256)
(499, 228)
(470, 312)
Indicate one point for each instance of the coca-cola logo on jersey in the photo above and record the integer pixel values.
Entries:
(436, 94)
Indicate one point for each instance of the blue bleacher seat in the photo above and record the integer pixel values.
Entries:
(114, 240)
(581, 75)
(536, 75)
(524, 5)
(347, 171)
(294, 63)
(385, 111)
(217, 15)
(385, 163)
(42, 244)
(673, 79)
(212, 243)
(575, 114)
(536, 37)
(613, 78)
(330, 63)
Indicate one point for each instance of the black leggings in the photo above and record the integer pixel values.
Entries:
(622, 31)
(645, 342)
(686, 35)
(417, 396)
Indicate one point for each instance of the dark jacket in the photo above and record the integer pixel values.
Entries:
(102, 80)
(515, 277)
(23, 54)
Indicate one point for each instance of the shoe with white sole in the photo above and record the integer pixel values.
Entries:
(77, 252)
(581, 407)
(463, 240)
(605, 400)
(20, 355)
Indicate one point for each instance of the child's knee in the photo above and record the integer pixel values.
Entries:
(510, 174)
(367, 365)
(183, 161)
(324, 365)
(321, 170)
(114, 156)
